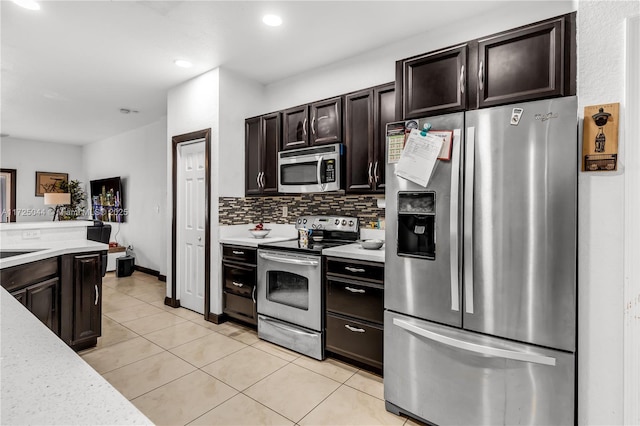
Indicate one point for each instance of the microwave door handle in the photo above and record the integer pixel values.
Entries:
(319, 167)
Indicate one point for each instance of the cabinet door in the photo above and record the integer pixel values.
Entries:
(270, 138)
(435, 83)
(359, 140)
(523, 64)
(252, 156)
(42, 301)
(384, 112)
(21, 296)
(87, 303)
(295, 127)
(326, 122)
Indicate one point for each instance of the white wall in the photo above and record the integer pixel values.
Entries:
(220, 100)
(601, 79)
(378, 66)
(139, 158)
(27, 157)
(240, 98)
(193, 106)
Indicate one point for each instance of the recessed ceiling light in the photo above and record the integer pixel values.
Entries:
(28, 4)
(272, 20)
(182, 63)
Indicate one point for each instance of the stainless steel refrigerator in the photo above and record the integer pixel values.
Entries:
(480, 272)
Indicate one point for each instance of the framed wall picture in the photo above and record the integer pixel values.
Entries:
(48, 182)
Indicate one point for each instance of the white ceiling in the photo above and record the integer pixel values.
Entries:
(69, 68)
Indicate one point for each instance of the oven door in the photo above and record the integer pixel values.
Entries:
(290, 287)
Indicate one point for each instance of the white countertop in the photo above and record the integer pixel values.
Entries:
(46, 382)
(45, 225)
(46, 249)
(354, 251)
(239, 234)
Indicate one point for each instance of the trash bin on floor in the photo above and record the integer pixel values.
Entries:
(124, 266)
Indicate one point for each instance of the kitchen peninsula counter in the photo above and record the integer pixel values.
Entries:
(46, 382)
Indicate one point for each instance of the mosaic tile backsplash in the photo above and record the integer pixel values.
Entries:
(238, 211)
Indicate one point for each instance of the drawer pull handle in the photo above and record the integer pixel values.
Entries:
(238, 252)
(350, 269)
(354, 290)
(237, 284)
(97, 295)
(354, 329)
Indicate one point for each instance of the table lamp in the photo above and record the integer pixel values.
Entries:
(57, 199)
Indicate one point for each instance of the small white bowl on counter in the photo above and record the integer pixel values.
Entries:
(372, 244)
(259, 233)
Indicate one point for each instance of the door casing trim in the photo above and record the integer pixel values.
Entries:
(205, 134)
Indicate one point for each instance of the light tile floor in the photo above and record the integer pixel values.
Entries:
(179, 369)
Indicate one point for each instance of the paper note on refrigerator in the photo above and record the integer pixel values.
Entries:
(418, 158)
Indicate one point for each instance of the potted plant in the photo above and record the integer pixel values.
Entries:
(78, 196)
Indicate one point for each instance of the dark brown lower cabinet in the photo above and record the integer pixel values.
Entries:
(37, 286)
(64, 292)
(239, 283)
(355, 311)
(82, 299)
(42, 300)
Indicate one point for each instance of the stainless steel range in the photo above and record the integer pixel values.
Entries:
(290, 290)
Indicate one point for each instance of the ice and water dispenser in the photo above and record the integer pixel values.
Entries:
(416, 224)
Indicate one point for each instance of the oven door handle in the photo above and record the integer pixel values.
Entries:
(278, 324)
(289, 260)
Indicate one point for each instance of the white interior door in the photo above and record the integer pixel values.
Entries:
(191, 225)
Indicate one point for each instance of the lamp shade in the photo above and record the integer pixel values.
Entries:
(56, 198)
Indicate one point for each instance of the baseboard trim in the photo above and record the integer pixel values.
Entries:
(174, 303)
(215, 318)
(151, 272)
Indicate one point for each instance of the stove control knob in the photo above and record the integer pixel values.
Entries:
(304, 221)
(337, 221)
(313, 226)
(350, 223)
(344, 222)
(299, 221)
(319, 226)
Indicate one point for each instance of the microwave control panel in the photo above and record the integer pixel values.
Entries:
(328, 171)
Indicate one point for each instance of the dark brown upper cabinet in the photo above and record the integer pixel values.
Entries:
(318, 123)
(295, 129)
(262, 140)
(366, 114)
(434, 82)
(532, 62)
(326, 121)
(526, 63)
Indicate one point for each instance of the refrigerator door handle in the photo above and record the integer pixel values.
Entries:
(473, 347)
(453, 222)
(468, 219)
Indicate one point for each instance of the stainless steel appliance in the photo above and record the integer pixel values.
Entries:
(314, 169)
(480, 272)
(290, 290)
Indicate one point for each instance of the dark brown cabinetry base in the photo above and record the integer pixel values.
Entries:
(239, 283)
(354, 311)
(63, 292)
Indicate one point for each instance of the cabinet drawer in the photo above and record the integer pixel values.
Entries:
(354, 339)
(357, 300)
(239, 279)
(242, 308)
(356, 269)
(30, 273)
(239, 254)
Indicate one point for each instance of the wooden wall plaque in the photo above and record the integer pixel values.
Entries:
(600, 137)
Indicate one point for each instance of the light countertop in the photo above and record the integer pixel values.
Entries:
(46, 249)
(46, 382)
(239, 234)
(354, 251)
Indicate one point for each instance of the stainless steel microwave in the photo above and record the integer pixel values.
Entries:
(313, 169)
